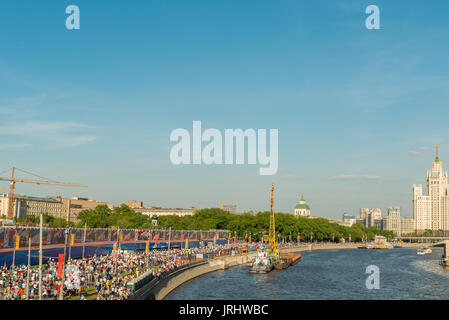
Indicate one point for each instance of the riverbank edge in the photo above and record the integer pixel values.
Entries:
(225, 262)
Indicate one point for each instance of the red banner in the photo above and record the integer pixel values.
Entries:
(182, 237)
(60, 262)
(157, 239)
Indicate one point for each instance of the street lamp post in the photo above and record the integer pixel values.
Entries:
(84, 238)
(169, 237)
(28, 269)
(14, 247)
(61, 288)
(41, 218)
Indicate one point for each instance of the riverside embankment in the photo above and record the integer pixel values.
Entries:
(158, 289)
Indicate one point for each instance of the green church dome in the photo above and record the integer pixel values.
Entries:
(302, 204)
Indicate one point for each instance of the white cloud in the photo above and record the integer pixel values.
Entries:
(38, 127)
(414, 153)
(6, 111)
(14, 146)
(357, 177)
(56, 134)
(73, 141)
(292, 176)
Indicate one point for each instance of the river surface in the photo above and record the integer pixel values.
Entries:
(329, 274)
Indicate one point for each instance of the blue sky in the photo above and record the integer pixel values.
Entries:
(358, 111)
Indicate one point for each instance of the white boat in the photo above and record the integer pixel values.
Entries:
(423, 251)
(262, 263)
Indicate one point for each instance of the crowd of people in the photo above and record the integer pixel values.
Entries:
(108, 274)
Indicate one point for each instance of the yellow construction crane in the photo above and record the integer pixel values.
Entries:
(13, 180)
(273, 250)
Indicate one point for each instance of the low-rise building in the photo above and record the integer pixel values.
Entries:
(157, 212)
(134, 204)
(73, 206)
(348, 220)
(55, 206)
(231, 208)
(26, 205)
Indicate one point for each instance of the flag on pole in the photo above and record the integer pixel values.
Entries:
(121, 237)
(187, 244)
(147, 246)
(182, 237)
(17, 242)
(60, 263)
(72, 240)
(157, 241)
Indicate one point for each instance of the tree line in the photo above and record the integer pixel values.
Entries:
(288, 227)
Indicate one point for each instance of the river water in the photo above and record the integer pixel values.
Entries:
(329, 274)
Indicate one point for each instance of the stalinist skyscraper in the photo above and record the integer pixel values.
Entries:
(431, 211)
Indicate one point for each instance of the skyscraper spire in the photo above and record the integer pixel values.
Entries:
(436, 158)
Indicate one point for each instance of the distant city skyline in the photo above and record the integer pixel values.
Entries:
(358, 111)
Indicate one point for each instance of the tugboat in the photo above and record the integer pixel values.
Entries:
(270, 258)
(262, 263)
(423, 251)
(267, 259)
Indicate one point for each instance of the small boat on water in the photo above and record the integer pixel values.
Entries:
(367, 246)
(381, 246)
(423, 251)
(262, 263)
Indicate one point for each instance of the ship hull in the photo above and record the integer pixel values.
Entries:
(281, 264)
(261, 269)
